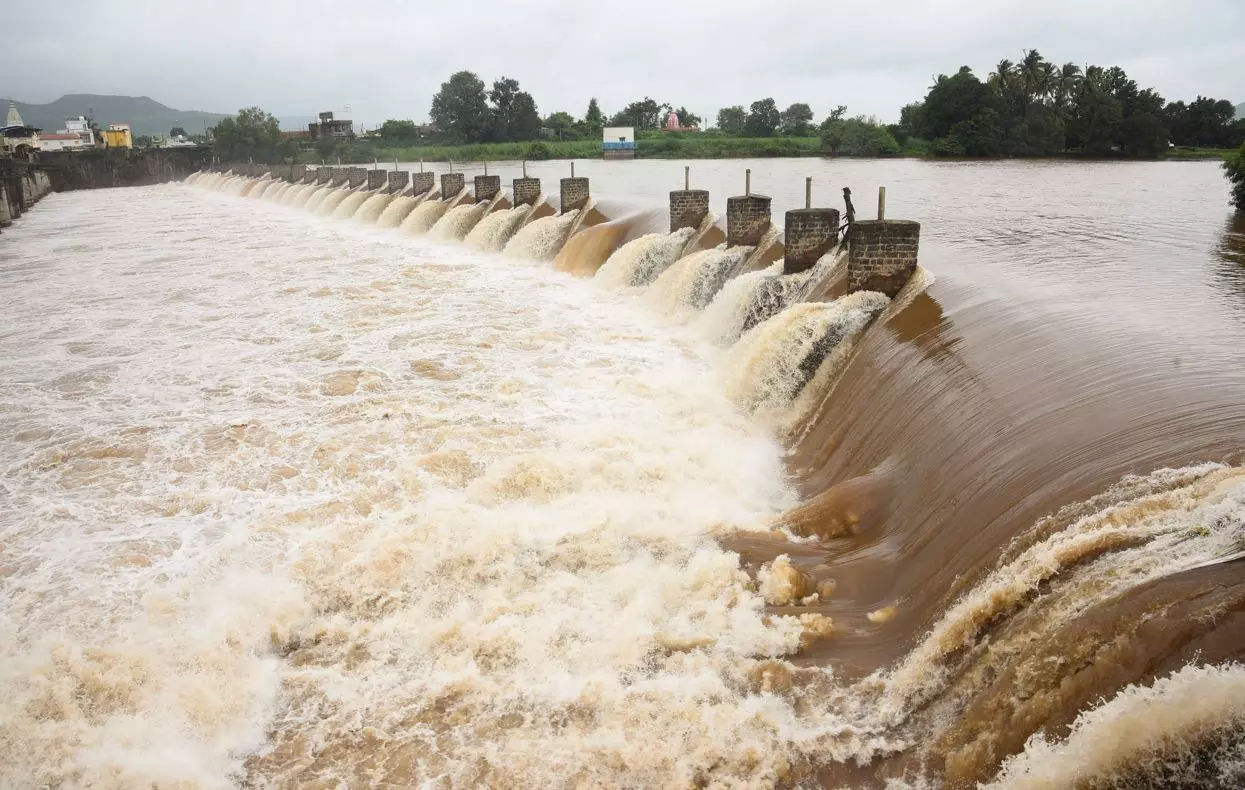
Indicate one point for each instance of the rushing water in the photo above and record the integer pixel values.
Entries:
(296, 502)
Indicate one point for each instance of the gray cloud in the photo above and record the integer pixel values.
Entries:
(385, 58)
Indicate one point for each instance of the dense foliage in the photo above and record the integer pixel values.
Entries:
(1035, 108)
(1234, 168)
(251, 135)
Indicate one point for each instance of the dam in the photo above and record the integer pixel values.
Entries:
(529, 478)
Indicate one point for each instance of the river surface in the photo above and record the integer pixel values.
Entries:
(296, 501)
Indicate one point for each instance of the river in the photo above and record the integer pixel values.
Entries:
(298, 501)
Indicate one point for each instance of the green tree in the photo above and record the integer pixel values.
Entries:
(398, 132)
(643, 114)
(732, 120)
(796, 121)
(562, 125)
(177, 131)
(1234, 169)
(858, 136)
(1143, 135)
(594, 120)
(687, 118)
(250, 135)
(502, 98)
(524, 119)
(763, 118)
(460, 109)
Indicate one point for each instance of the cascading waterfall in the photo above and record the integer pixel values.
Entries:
(350, 204)
(424, 216)
(541, 239)
(331, 201)
(372, 208)
(317, 196)
(640, 261)
(771, 364)
(299, 195)
(753, 297)
(691, 282)
(457, 222)
(492, 232)
(396, 211)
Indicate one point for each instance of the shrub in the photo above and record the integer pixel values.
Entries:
(539, 150)
(1234, 169)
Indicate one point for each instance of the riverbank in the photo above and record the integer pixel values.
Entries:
(658, 148)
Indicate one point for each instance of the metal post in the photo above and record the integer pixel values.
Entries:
(525, 168)
(486, 167)
(687, 178)
(451, 165)
(572, 168)
(881, 202)
(748, 181)
(808, 192)
(421, 165)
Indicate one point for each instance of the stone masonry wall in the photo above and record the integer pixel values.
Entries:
(376, 179)
(882, 254)
(688, 208)
(809, 234)
(747, 219)
(526, 191)
(423, 182)
(486, 187)
(398, 179)
(356, 176)
(311, 176)
(451, 184)
(297, 173)
(574, 193)
(325, 174)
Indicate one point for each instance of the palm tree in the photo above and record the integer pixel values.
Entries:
(1031, 75)
(1001, 77)
(1066, 85)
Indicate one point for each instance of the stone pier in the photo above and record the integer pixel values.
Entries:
(325, 175)
(526, 191)
(376, 179)
(311, 176)
(451, 185)
(881, 254)
(398, 179)
(810, 233)
(356, 176)
(487, 187)
(297, 173)
(688, 208)
(422, 183)
(575, 193)
(747, 220)
(6, 215)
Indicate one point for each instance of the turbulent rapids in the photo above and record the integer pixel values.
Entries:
(293, 502)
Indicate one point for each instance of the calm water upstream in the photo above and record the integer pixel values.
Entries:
(293, 500)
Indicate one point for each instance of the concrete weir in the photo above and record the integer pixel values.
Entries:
(882, 254)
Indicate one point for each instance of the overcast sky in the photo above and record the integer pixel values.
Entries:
(385, 58)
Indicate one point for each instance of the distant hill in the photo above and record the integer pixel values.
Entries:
(144, 114)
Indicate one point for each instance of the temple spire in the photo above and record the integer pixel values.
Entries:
(14, 118)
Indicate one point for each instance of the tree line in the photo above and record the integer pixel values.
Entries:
(1029, 108)
(1037, 108)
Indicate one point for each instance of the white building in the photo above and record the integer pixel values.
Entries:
(77, 134)
(618, 142)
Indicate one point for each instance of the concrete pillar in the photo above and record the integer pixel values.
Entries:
(297, 173)
(747, 219)
(574, 193)
(398, 179)
(526, 191)
(325, 174)
(688, 208)
(6, 218)
(881, 254)
(451, 184)
(356, 176)
(423, 182)
(487, 187)
(376, 179)
(810, 233)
